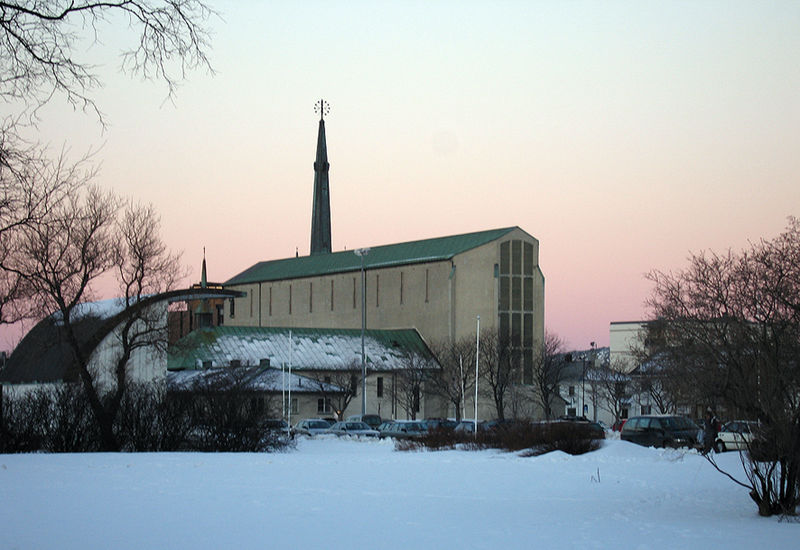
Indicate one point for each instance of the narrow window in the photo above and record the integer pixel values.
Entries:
(516, 257)
(379, 391)
(233, 308)
(270, 301)
(427, 294)
(528, 260)
(331, 294)
(571, 391)
(310, 297)
(354, 292)
(401, 287)
(377, 290)
(251, 301)
(290, 299)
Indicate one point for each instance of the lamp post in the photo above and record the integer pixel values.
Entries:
(361, 252)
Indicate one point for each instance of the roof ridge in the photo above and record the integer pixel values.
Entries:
(402, 253)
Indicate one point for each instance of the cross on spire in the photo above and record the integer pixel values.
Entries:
(323, 108)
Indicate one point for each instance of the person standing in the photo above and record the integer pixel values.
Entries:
(710, 430)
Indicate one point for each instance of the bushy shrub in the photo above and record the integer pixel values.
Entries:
(534, 438)
(59, 419)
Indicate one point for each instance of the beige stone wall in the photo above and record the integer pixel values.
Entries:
(440, 299)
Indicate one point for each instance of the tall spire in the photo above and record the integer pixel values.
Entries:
(321, 213)
(203, 277)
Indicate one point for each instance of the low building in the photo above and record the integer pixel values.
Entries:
(322, 362)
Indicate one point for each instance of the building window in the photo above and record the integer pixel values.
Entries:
(354, 292)
(310, 297)
(220, 314)
(331, 294)
(505, 258)
(377, 290)
(427, 289)
(516, 257)
(295, 406)
(233, 308)
(290, 299)
(571, 391)
(379, 391)
(528, 260)
(572, 411)
(401, 287)
(647, 409)
(270, 301)
(324, 405)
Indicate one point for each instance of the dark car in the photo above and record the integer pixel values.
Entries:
(660, 431)
(372, 420)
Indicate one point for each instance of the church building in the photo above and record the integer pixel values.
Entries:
(438, 286)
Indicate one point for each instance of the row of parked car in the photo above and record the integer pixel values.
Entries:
(680, 431)
(373, 426)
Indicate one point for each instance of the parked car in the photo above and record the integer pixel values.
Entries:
(312, 426)
(404, 429)
(353, 428)
(735, 435)
(660, 431)
(372, 420)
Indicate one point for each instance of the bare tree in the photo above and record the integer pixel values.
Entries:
(457, 373)
(43, 45)
(499, 368)
(613, 388)
(31, 187)
(337, 387)
(409, 381)
(730, 323)
(549, 368)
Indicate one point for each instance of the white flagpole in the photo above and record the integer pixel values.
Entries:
(477, 354)
(290, 381)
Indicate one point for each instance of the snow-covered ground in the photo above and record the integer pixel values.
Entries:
(332, 494)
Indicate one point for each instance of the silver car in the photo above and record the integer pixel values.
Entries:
(312, 427)
(353, 428)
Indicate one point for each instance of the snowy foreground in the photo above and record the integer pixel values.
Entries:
(333, 494)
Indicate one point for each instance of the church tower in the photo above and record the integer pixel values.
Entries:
(321, 213)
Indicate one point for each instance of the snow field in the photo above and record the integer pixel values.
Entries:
(338, 493)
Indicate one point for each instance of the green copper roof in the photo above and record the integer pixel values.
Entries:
(310, 348)
(428, 250)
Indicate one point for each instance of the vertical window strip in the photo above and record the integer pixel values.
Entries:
(310, 297)
(290, 299)
(354, 292)
(427, 294)
(377, 290)
(331, 294)
(270, 301)
(401, 287)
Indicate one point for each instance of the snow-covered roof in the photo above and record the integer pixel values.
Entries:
(303, 348)
(252, 378)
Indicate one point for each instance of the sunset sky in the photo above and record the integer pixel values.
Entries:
(622, 135)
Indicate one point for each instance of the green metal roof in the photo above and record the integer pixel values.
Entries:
(310, 348)
(427, 250)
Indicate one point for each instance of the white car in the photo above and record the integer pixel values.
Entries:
(312, 426)
(735, 435)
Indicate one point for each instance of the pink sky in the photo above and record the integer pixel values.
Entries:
(622, 135)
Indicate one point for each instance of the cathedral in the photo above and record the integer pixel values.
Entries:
(437, 286)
